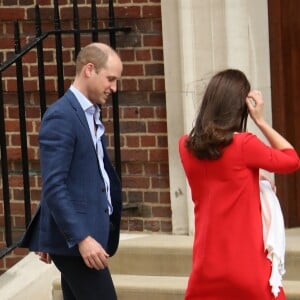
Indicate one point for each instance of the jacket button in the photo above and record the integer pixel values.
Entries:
(106, 210)
(103, 190)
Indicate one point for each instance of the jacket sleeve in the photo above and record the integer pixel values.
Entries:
(57, 142)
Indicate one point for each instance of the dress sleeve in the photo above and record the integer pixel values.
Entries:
(258, 155)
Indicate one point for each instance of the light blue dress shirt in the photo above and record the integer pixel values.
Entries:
(92, 114)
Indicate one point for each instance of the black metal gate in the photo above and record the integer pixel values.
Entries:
(16, 61)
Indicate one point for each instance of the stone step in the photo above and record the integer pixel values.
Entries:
(292, 289)
(139, 287)
(292, 254)
(135, 287)
(171, 255)
(154, 266)
(164, 255)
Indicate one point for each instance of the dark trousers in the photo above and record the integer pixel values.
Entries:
(79, 282)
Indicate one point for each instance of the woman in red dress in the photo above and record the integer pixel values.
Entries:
(222, 163)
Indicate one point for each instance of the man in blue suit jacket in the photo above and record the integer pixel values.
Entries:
(77, 224)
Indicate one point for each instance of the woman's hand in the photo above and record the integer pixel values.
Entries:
(255, 104)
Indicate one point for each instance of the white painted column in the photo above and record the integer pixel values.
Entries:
(175, 122)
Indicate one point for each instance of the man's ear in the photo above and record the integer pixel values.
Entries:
(88, 70)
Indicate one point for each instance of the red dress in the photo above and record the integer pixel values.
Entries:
(229, 262)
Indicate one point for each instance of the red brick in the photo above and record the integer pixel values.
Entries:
(154, 69)
(151, 169)
(18, 194)
(143, 55)
(132, 142)
(26, 2)
(159, 84)
(162, 141)
(124, 226)
(10, 72)
(9, 2)
(33, 112)
(28, 85)
(158, 155)
(8, 13)
(152, 11)
(136, 225)
(157, 25)
(136, 182)
(20, 251)
(159, 182)
(12, 260)
(133, 70)
(152, 225)
(134, 155)
(145, 84)
(164, 168)
(124, 1)
(45, 2)
(147, 112)
(129, 85)
(130, 112)
(127, 12)
(157, 126)
(157, 55)
(166, 226)
(16, 208)
(30, 57)
(164, 197)
(152, 40)
(135, 169)
(12, 126)
(33, 140)
(133, 127)
(148, 141)
(19, 221)
(151, 197)
(126, 55)
(160, 112)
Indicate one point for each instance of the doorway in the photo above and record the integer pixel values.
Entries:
(284, 33)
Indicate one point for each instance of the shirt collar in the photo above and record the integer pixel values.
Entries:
(84, 102)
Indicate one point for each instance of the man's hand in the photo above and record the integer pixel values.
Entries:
(44, 257)
(93, 253)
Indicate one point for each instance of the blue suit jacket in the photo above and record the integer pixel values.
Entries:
(74, 202)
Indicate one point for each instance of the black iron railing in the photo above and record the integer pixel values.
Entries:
(16, 60)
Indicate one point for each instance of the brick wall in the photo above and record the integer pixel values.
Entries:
(143, 126)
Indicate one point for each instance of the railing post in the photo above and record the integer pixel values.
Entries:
(23, 131)
(95, 37)
(76, 27)
(111, 24)
(40, 57)
(4, 170)
(59, 56)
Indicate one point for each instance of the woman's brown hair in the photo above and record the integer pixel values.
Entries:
(223, 112)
